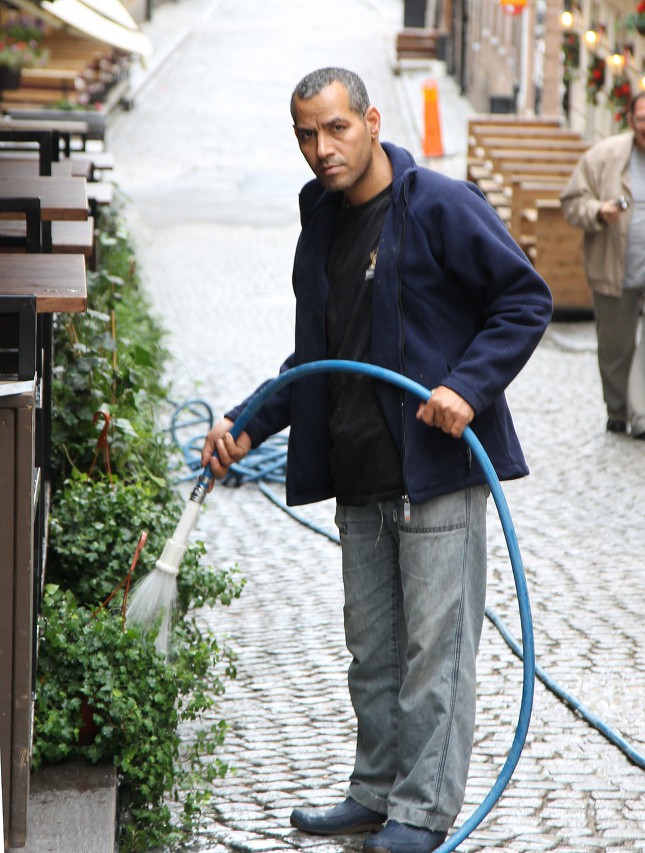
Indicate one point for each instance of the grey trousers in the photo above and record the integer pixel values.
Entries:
(617, 321)
(415, 591)
(636, 389)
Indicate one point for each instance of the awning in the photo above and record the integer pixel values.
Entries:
(107, 21)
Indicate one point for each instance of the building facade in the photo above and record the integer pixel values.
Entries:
(581, 60)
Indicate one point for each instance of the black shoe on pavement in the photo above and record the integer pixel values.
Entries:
(401, 838)
(342, 819)
(616, 425)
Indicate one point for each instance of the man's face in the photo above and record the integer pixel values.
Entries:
(637, 123)
(336, 142)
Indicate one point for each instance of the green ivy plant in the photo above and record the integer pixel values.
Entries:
(111, 359)
(104, 694)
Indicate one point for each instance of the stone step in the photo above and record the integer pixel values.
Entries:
(72, 809)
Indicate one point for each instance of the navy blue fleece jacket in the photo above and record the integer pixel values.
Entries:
(455, 302)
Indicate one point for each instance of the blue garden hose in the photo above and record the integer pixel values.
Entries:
(526, 622)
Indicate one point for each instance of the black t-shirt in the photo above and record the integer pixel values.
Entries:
(365, 462)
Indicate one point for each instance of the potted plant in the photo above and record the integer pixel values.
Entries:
(619, 97)
(595, 78)
(20, 47)
(571, 55)
(636, 20)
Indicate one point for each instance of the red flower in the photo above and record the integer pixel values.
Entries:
(641, 7)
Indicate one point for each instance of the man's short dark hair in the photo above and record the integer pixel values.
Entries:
(316, 81)
(632, 103)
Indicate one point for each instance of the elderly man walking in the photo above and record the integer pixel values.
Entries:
(606, 198)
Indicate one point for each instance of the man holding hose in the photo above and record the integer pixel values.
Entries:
(407, 269)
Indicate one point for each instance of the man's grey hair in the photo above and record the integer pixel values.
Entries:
(316, 81)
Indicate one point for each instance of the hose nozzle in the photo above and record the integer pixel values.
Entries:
(200, 491)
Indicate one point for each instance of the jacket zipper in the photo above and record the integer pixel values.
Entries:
(405, 497)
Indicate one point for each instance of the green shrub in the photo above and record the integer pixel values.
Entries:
(111, 359)
(94, 531)
(104, 694)
(109, 376)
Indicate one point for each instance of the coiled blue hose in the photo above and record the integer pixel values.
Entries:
(526, 622)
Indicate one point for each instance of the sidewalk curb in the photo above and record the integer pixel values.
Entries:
(167, 40)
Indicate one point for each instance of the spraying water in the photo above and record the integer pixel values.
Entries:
(153, 600)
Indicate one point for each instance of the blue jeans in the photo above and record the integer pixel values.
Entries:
(415, 595)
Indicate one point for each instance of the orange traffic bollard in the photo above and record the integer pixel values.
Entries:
(432, 144)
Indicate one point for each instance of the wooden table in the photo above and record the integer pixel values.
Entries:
(57, 281)
(13, 163)
(61, 198)
(61, 129)
(62, 126)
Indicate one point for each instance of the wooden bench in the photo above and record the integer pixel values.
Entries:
(524, 198)
(50, 85)
(73, 238)
(525, 135)
(96, 161)
(488, 158)
(501, 181)
(506, 125)
(491, 164)
(523, 165)
(94, 121)
(68, 238)
(29, 96)
(498, 185)
(498, 137)
(539, 144)
(50, 77)
(418, 44)
(498, 156)
(520, 128)
(524, 170)
(27, 164)
(76, 67)
(558, 259)
(499, 120)
(99, 194)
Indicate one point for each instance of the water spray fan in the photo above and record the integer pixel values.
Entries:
(153, 600)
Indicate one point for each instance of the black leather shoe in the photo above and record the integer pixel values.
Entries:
(401, 838)
(616, 425)
(345, 818)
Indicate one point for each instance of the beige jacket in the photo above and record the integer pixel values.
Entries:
(601, 174)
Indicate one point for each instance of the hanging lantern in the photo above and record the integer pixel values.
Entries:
(512, 7)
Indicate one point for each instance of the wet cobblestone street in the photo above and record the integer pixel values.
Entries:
(208, 161)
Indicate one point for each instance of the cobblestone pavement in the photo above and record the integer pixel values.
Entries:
(212, 173)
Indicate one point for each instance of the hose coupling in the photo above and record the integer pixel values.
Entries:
(199, 493)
